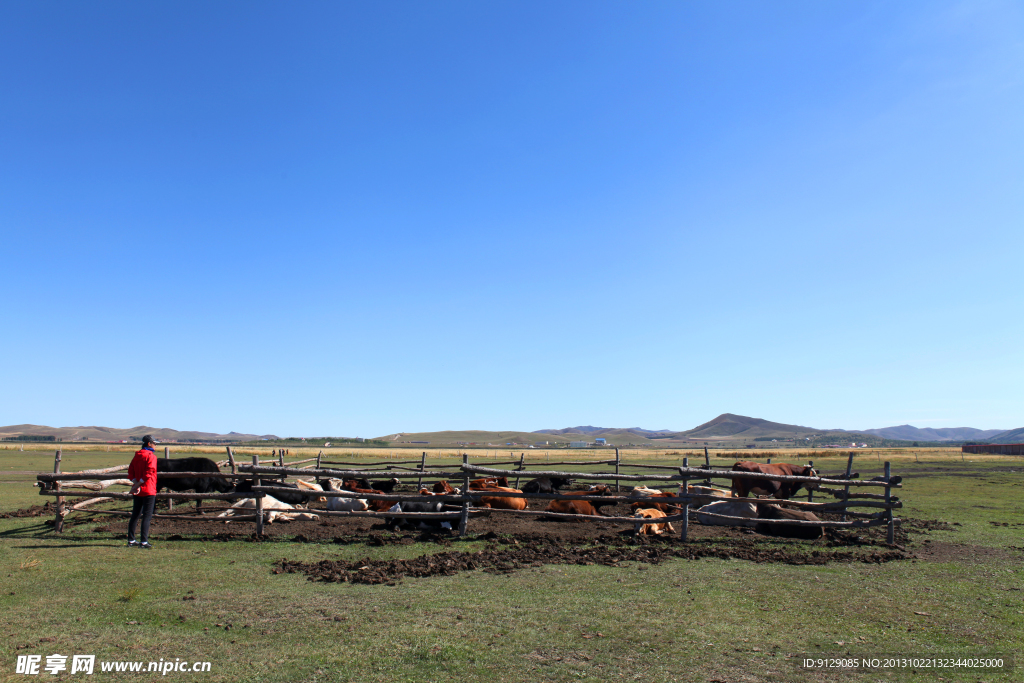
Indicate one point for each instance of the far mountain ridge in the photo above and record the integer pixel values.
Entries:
(93, 433)
(911, 433)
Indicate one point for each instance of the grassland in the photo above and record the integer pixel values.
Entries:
(681, 620)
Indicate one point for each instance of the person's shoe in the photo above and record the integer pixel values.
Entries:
(133, 544)
(146, 545)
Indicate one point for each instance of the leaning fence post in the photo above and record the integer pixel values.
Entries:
(464, 515)
(846, 490)
(167, 456)
(58, 521)
(423, 465)
(683, 488)
(231, 460)
(707, 466)
(616, 470)
(520, 468)
(318, 456)
(259, 496)
(890, 533)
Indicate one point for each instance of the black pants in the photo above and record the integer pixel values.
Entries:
(142, 505)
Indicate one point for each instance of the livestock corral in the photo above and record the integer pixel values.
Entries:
(262, 494)
(365, 568)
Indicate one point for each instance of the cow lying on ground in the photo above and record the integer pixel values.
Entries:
(786, 530)
(478, 484)
(781, 490)
(295, 499)
(273, 511)
(425, 524)
(378, 486)
(197, 484)
(648, 503)
(546, 485)
(707, 495)
(343, 504)
(582, 507)
(729, 508)
(443, 487)
(656, 528)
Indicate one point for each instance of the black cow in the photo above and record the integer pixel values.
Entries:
(426, 524)
(545, 485)
(197, 484)
(367, 485)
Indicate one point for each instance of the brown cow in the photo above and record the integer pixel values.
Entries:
(502, 502)
(478, 484)
(656, 528)
(582, 507)
(781, 490)
(443, 487)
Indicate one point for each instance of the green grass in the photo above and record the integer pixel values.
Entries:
(678, 621)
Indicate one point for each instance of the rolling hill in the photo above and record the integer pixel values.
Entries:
(101, 434)
(910, 433)
(1011, 436)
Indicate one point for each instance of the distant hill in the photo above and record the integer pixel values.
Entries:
(910, 433)
(1011, 436)
(742, 427)
(601, 431)
(113, 434)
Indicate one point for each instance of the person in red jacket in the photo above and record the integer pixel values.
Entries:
(142, 472)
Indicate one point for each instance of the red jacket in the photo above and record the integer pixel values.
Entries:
(143, 471)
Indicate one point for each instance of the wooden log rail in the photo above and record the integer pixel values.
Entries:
(79, 476)
(159, 496)
(687, 472)
(323, 473)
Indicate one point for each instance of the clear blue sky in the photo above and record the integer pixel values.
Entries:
(326, 218)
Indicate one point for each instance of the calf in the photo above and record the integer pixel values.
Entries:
(787, 530)
(503, 502)
(546, 485)
(656, 528)
(781, 490)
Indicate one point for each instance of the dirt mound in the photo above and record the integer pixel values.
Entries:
(33, 511)
(537, 552)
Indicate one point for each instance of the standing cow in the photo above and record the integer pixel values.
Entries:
(782, 490)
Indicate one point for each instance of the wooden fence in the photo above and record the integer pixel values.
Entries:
(998, 448)
(461, 504)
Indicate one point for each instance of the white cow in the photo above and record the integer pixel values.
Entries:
(273, 511)
(729, 508)
(346, 504)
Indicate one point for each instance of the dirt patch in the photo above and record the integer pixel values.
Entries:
(33, 511)
(510, 554)
(939, 551)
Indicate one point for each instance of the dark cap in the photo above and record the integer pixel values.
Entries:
(147, 439)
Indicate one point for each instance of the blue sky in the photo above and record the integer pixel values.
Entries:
(362, 218)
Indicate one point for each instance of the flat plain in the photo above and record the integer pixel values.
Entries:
(223, 597)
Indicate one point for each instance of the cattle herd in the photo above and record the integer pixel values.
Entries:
(714, 503)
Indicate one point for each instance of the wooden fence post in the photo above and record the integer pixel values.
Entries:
(167, 456)
(707, 465)
(231, 460)
(683, 488)
(259, 498)
(616, 469)
(810, 492)
(280, 458)
(423, 465)
(520, 468)
(464, 516)
(890, 533)
(58, 521)
(318, 456)
(846, 490)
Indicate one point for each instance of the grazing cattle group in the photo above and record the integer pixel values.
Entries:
(717, 506)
